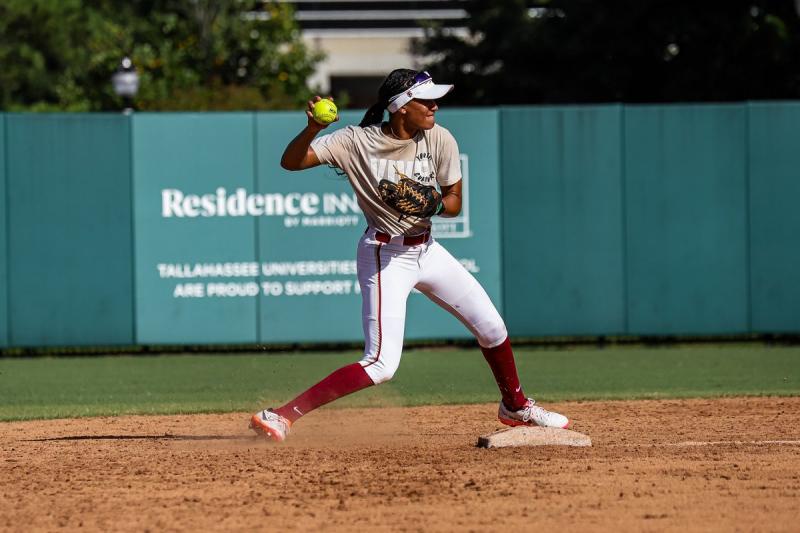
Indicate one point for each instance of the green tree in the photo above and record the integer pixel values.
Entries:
(190, 54)
(620, 50)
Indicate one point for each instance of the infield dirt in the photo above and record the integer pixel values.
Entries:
(690, 465)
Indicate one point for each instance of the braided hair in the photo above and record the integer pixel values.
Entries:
(396, 82)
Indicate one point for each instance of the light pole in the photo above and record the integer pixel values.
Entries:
(126, 83)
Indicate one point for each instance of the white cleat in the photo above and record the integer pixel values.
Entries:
(270, 425)
(531, 415)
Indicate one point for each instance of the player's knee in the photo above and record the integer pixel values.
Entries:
(492, 333)
(381, 371)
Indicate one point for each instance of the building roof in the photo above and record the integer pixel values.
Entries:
(371, 15)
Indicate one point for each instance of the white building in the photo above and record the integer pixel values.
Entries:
(364, 40)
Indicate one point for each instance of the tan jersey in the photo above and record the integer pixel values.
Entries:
(367, 155)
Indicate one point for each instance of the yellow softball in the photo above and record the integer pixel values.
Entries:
(324, 111)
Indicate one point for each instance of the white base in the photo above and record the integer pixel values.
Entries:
(533, 436)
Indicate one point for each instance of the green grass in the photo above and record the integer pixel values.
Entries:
(97, 385)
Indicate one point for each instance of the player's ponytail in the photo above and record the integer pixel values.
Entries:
(395, 82)
(374, 114)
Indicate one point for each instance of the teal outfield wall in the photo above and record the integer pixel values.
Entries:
(68, 210)
(774, 247)
(686, 219)
(651, 220)
(563, 239)
(578, 220)
(3, 238)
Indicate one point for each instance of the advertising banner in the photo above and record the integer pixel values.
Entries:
(196, 278)
(231, 248)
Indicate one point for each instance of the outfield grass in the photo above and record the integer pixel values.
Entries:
(90, 386)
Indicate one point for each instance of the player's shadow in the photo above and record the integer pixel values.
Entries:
(166, 436)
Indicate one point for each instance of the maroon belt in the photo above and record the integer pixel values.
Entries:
(408, 240)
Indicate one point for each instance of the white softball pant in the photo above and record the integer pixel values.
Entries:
(387, 272)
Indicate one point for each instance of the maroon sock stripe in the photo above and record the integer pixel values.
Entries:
(380, 333)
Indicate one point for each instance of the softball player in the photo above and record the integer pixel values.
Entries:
(394, 168)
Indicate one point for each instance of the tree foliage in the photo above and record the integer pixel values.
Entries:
(620, 50)
(190, 54)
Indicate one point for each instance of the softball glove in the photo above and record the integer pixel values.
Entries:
(410, 197)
